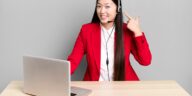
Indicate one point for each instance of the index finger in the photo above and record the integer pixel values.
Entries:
(127, 15)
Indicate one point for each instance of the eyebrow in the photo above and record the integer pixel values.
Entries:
(104, 3)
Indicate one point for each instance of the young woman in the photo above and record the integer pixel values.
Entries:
(107, 43)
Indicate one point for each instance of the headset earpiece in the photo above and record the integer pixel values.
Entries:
(119, 6)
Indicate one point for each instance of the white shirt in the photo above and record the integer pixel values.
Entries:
(105, 34)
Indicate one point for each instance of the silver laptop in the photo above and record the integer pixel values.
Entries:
(49, 77)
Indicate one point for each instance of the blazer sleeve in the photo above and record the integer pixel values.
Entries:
(140, 50)
(78, 51)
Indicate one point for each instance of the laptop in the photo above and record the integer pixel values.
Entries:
(49, 77)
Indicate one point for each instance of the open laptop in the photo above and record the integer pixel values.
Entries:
(49, 77)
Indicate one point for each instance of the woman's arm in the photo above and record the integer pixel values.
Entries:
(139, 46)
(140, 50)
(77, 53)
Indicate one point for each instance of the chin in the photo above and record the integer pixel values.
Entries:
(104, 22)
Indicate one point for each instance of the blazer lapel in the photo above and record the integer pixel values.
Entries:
(96, 45)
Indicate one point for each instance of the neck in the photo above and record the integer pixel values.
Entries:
(107, 25)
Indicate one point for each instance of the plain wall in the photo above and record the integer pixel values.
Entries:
(50, 27)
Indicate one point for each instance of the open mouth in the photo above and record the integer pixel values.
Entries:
(104, 17)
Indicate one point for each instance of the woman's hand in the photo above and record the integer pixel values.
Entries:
(133, 25)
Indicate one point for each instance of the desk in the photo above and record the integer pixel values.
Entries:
(115, 88)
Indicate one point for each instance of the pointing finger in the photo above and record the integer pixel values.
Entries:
(127, 15)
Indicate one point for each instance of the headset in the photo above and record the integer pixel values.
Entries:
(119, 6)
(118, 9)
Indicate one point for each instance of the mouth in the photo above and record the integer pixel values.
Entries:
(103, 17)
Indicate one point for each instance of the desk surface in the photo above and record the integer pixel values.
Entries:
(115, 88)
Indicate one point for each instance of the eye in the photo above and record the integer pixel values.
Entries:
(98, 6)
(107, 7)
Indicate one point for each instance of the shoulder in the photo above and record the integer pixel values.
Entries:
(88, 29)
(90, 25)
(124, 25)
(126, 31)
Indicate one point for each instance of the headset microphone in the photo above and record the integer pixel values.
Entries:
(118, 9)
(109, 21)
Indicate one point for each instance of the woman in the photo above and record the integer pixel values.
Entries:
(108, 42)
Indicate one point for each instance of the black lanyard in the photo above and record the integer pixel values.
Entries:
(106, 41)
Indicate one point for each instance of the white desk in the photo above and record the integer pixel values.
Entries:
(115, 88)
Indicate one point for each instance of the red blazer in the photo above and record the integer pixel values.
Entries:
(89, 42)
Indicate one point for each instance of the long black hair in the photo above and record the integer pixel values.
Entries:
(119, 61)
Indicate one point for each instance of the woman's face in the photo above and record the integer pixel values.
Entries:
(106, 10)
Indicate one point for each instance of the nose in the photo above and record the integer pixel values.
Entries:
(102, 10)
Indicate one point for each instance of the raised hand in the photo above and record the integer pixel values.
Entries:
(133, 24)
